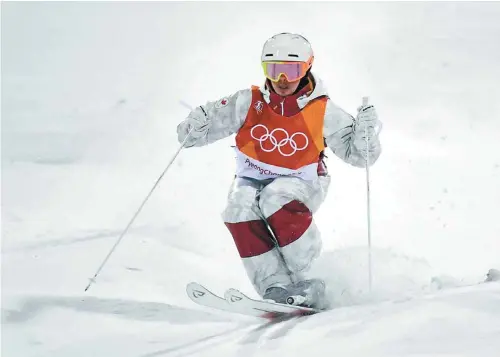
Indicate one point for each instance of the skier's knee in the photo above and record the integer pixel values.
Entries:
(241, 205)
(281, 192)
(272, 201)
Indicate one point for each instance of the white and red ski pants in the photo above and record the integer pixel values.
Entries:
(287, 205)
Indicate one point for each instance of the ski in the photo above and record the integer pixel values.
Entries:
(266, 309)
(202, 296)
(235, 301)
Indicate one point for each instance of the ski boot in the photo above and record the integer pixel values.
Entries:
(308, 293)
(276, 294)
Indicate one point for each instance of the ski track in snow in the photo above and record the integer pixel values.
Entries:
(440, 319)
(129, 309)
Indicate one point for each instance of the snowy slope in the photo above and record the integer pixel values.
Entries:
(90, 102)
(462, 322)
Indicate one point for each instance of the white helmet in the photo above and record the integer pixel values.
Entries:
(287, 47)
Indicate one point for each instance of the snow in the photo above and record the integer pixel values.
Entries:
(90, 104)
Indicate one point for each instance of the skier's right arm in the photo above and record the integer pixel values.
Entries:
(215, 120)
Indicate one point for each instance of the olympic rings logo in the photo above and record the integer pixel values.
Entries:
(278, 145)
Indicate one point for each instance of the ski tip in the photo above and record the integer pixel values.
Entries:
(233, 295)
(195, 291)
(192, 286)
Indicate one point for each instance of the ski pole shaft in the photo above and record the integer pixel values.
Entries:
(368, 203)
(92, 280)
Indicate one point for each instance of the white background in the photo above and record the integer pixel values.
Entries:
(90, 105)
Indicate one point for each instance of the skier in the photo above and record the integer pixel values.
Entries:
(282, 130)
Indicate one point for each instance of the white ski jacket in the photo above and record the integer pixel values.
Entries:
(228, 114)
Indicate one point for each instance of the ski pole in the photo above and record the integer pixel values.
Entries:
(92, 280)
(368, 203)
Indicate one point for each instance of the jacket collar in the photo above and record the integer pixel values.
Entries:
(293, 104)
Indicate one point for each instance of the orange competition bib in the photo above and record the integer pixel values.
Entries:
(269, 145)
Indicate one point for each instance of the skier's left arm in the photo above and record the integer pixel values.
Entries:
(346, 136)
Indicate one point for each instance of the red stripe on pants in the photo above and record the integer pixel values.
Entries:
(251, 238)
(290, 222)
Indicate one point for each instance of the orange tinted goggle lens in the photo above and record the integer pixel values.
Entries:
(293, 71)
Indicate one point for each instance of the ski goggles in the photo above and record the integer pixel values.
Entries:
(293, 71)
